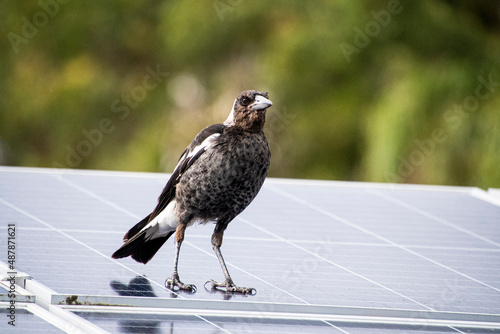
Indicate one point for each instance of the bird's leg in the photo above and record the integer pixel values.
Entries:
(228, 283)
(174, 281)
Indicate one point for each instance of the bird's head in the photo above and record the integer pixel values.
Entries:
(249, 110)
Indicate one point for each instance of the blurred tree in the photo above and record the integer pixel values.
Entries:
(385, 90)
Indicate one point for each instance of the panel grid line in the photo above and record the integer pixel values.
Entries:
(433, 217)
(362, 229)
(94, 195)
(333, 263)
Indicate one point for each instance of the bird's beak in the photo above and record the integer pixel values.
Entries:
(260, 103)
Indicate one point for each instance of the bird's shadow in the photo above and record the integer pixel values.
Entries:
(138, 286)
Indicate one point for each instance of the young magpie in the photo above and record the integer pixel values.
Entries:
(216, 178)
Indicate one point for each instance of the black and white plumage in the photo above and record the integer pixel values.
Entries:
(217, 176)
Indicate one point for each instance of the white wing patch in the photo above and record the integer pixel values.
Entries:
(206, 144)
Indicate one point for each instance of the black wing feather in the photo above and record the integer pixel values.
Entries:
(168, 193)
(137, 227)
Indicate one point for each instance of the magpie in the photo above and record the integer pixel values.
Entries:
(216, 178)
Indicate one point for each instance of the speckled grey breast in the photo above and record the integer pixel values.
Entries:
(223, 183)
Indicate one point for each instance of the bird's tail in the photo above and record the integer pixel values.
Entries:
(142, 244)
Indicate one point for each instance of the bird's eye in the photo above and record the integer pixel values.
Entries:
(245, 101)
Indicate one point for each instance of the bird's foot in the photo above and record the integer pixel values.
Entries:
(230, 287)
(174, 281)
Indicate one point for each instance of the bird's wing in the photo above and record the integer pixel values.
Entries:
(204, 140)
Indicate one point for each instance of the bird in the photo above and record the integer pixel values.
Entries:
(217, 176)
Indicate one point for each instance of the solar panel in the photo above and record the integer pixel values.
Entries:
(324, 256)
(27, 323)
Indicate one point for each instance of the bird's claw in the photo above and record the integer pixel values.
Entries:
(174, 281)
(230, 287)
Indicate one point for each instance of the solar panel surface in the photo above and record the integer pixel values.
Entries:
(336, 257)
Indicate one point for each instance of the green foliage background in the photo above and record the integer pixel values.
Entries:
(393, 100)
